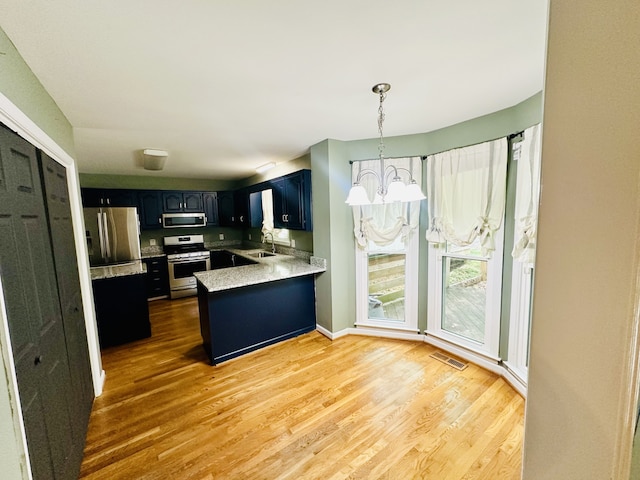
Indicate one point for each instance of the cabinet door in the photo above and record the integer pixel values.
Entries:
(210, 203)
(255, 209)
(91, 197)
(226, 213)
(241, 208)
(192, 202)
(32, 305)
(108, 197)
(172, 202)
(120, 198)
(292, 201)
(150, 209)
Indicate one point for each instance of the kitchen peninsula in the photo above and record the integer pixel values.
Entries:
(249, 307)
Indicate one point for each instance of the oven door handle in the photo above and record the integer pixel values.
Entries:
(187, 260)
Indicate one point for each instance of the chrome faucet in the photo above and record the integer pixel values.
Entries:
(273, 245)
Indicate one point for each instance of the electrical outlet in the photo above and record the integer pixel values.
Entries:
(152, 242)
(293, 243)
(221, 236)
(249, 236)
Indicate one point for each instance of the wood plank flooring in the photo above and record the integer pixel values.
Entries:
(307, 408)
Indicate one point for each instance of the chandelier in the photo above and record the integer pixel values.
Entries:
(391, 187)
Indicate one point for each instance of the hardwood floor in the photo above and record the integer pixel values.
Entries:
(307, 408)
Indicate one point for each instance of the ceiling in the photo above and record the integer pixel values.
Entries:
(226, 86)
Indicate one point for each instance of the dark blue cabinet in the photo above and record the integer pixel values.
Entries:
(150, 209)
(178, 202)
(292, 201)
(239, 320)
(210, 204)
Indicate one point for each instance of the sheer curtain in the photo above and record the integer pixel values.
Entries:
(527, 196)
(466, 189)
(382, 224)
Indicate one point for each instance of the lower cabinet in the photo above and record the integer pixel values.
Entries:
(122, 311)
(239, 320)
(157, 277)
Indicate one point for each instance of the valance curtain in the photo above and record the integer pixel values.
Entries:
(527, 196)
(383, 224)
(466, 189)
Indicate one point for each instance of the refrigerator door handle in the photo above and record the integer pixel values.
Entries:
(102, 233)
(107, 242)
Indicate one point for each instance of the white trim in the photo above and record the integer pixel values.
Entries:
(514, 379)
(390, 325)
(330, 335)
(13, 118)
(384, 333)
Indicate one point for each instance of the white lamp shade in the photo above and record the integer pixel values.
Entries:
(413, 193)
(395, 191)
(378, 200)
(357, 196)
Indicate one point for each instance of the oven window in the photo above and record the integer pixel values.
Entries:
(186, 270)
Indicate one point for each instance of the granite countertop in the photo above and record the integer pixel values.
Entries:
(268, 269)
(111, 271)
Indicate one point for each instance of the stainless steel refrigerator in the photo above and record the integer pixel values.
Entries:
(113, 235)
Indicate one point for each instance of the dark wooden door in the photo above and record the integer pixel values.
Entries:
(33, 309)
(54, 182)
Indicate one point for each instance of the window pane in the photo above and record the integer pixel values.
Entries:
(386, 286)
(464, 297)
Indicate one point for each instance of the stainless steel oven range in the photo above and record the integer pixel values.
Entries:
(185, 254)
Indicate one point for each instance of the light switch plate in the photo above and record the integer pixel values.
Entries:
(152, 242)
(221, 236)
(293, 243)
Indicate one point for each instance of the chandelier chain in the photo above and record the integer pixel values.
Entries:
(383, 95)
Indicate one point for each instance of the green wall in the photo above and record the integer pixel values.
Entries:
(333, 226)
(142, 182)
(20, 85)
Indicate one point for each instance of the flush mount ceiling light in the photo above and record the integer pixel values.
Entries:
(154, 159)
(391, 188)
(265, 167)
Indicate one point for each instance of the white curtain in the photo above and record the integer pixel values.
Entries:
(383, 224)
(267, 211)
(466, 189)
(527, 196)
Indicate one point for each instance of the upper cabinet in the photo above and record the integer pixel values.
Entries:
(292, 201)
(241, 208)
(226, 212)
(108, 197)
(177, 202)
(210, 202)
(150, 209)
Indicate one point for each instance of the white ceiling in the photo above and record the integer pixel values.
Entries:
(226, 86)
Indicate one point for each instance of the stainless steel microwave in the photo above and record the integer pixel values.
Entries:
(183, 220)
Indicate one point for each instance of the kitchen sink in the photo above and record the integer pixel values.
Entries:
(262, 254)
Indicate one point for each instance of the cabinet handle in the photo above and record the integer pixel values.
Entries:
(159, 219)
(241, 218)
(108, 201)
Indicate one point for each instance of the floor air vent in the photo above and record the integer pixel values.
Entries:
(455, 363)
